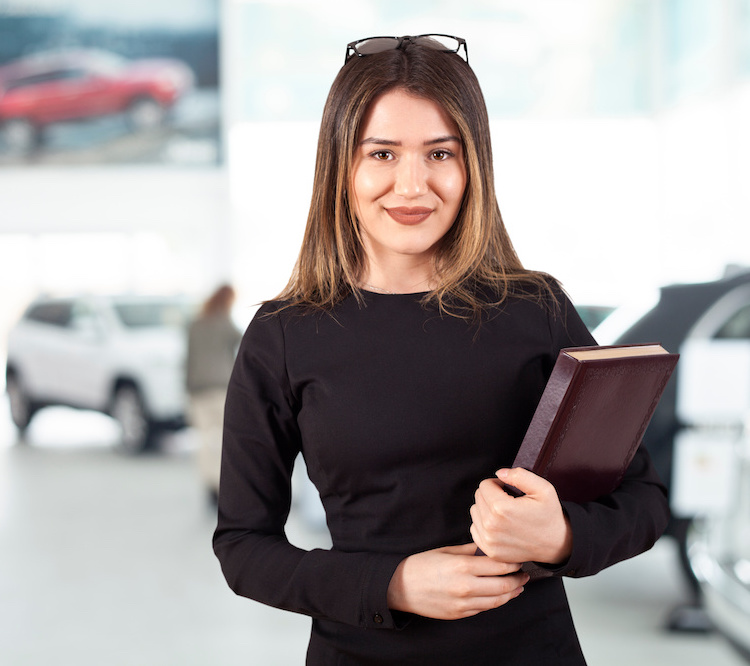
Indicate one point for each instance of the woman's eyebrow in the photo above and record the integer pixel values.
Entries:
(379, 142)
(389, 142)
(443, 139)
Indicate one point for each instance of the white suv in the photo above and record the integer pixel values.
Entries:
(122, 355)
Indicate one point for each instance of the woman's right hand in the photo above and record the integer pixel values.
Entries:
(452, 582)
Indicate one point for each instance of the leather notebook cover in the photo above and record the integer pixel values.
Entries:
(592, 416)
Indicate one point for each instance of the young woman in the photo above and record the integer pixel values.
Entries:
(405, 359)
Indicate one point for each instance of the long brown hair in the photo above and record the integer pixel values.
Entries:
(476, 252)
(219, 302)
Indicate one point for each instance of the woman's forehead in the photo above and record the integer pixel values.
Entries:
(398, 114)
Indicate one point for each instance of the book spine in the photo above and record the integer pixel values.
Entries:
(546, 419)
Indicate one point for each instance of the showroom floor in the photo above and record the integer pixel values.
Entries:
(105, 560)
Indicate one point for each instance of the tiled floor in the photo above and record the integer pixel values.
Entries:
(105, 560)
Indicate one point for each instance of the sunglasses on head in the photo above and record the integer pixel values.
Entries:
(371, 45)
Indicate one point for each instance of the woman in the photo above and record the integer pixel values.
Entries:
(211, 349)
(405, 359)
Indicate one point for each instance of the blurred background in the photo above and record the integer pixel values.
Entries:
(153, 151)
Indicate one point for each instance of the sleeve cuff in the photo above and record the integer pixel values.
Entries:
(375, 613)
(577, 563)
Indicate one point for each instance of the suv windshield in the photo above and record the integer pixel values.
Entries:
(57, 313)
(154, 314)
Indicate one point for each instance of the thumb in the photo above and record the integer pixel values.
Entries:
(523, 480)
(463, 549)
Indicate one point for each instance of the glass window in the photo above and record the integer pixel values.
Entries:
(743, 36)
(72, 73)
(692, 48)
(737, 327)
(103, 62)
(83, 316)
(56, 313)
(154, 314)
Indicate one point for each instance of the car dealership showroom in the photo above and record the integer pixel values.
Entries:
(621, 155)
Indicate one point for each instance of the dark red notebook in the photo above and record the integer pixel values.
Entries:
(592, 415)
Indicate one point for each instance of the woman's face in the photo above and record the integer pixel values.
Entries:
(408, 177)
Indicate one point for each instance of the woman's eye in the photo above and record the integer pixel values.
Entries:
(381, 155)
(440, 155)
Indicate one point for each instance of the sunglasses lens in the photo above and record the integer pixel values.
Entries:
(440, 42)
(377, 45)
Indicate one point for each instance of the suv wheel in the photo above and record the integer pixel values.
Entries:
(21, 407)
(130, 413)
(145, 113)
(21, 135)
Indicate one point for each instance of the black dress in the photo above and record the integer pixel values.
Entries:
(400, 413)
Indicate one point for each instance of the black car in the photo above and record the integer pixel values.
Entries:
(679, 311)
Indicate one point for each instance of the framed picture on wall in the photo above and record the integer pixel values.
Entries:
(84, 82)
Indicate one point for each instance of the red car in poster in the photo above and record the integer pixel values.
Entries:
(46, 88)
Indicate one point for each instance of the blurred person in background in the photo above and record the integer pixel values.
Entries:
(212, 345)
(405, 359)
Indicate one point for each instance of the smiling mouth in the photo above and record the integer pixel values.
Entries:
(404, 215)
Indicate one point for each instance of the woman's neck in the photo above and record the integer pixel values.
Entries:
(398, 280)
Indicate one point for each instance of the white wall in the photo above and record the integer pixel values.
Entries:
(568, 189)
(148, 229)
(612, 207)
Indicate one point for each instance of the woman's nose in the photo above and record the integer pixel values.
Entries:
(411, 177)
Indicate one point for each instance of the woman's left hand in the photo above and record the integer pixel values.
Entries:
(530, 528)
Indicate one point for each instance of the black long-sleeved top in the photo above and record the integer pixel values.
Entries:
(400, 413)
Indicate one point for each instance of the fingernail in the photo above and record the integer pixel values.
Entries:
(502, 474)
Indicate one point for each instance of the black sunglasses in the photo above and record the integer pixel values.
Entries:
(370, 45)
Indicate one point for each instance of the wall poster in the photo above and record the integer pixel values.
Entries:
(89, 82)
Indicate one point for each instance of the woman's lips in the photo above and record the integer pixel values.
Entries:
(404, 215)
